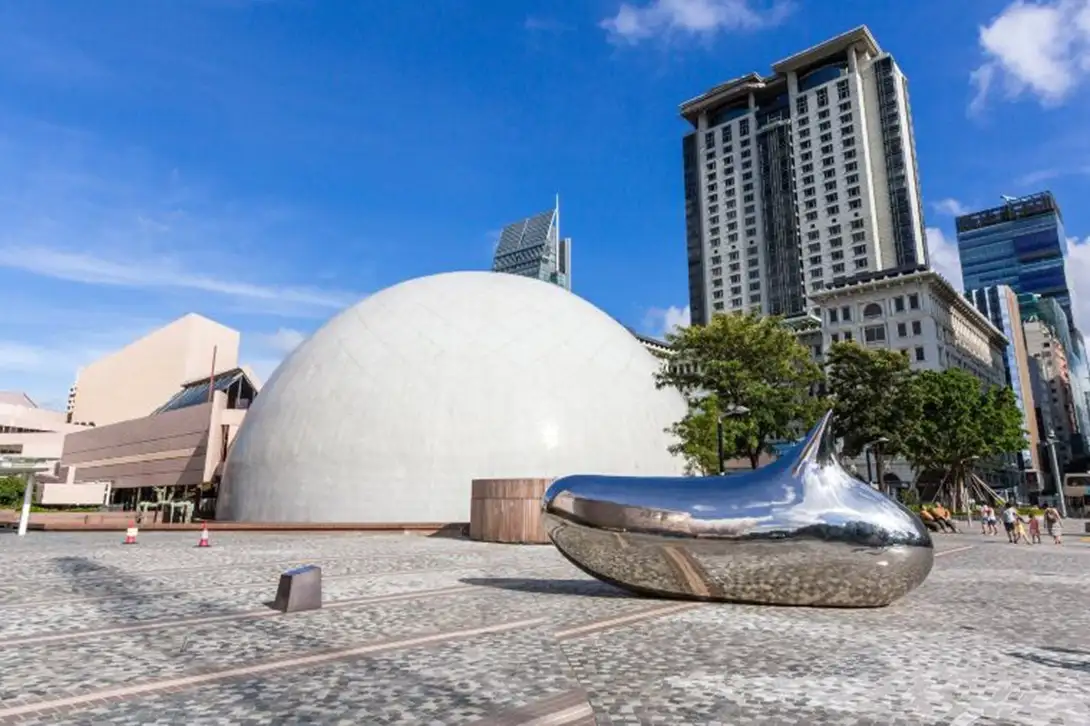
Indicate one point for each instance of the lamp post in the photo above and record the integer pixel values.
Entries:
(28, 467)
(877, 443)
(1050, 441)
(731, 411)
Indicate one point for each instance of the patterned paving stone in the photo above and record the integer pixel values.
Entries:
(998, 635)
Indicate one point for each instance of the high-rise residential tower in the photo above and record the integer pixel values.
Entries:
(533, 247)
(800, 179)
(1000, 305)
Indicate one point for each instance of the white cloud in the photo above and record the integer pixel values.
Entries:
(660, 321)
(1039, 48)
(951, 207)
(944, 256)
(285, 340)
(66, 341)
(658, 18)
(1078, 270)
(163, 273)
(20, 357)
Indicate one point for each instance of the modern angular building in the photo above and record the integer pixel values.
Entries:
(1020, 244)
(800, 179)
(132, 382)
(1000, 305)
(533, 247)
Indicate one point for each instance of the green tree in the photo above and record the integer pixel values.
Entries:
(873, 400)
(11, 491)
(749, 361)
(960, 423)
(696, 438)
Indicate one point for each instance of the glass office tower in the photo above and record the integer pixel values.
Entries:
(1020, 244)
(533, 247)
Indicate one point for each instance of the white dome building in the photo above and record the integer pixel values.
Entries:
(393, 407)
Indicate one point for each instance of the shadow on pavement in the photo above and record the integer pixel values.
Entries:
(582, 588)
(1071, 665)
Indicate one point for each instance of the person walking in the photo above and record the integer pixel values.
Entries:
(1020, 530)
(987, 520)
(1054, 524)
(1034, 528)
(1010, 516)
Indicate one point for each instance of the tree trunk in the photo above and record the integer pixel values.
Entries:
(754, 459)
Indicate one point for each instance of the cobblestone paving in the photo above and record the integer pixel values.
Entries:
(439, 631)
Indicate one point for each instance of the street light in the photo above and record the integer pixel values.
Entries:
(1050, 442)
(28, 467)
(866, 450)
(731, 411)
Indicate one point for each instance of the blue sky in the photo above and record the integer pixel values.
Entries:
(267, 162)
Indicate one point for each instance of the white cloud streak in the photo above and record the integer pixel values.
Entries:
(161, 273)
(950, 207)
(1037, 48)
(634, 23)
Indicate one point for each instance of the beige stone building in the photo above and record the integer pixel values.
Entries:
(29, 430)
(133, 382)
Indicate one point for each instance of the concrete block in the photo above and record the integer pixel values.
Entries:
(300, 589)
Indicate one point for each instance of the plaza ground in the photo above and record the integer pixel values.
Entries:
(420, 630)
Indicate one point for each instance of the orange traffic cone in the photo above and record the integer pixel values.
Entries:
(204, 537)
(130, 533)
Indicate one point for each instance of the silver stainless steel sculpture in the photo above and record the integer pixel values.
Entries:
(800, 531)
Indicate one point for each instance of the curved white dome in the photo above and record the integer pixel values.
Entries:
(393, 407)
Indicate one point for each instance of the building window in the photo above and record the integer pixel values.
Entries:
(917, 327)
(874, 333)
(847, 336)
(832, 315)
(857, 224)
(846, 314)
(837, 268)
(913, 301)
(822, 97)
(835, 337)
(920, 356)
(902, 330)
(898, 302)
(872, 310)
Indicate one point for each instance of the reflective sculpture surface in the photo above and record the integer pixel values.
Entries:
(799, 531)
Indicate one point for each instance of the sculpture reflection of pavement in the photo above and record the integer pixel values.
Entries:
(800, 531)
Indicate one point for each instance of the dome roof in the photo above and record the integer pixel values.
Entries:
(391, 409)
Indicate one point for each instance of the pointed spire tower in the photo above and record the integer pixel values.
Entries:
(533, 247)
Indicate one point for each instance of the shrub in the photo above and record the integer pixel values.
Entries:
(11, 491)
